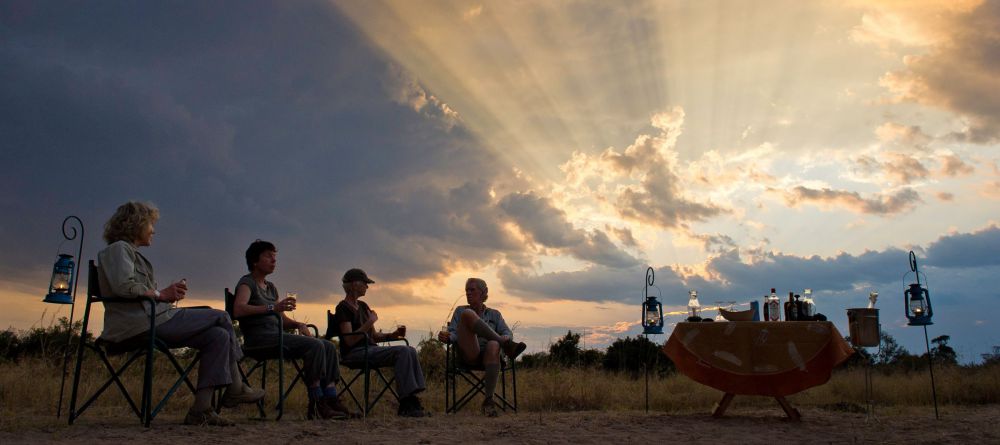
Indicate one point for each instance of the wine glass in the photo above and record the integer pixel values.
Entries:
(718, 306)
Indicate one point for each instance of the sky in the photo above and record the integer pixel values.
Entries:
(556, 149)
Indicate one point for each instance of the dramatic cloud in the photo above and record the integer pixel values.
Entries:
(407, 91)
(548, 226)
(952, 50)
(642, 182)
(282, 134)
(901, 201)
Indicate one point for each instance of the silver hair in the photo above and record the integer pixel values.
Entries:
(481, 284)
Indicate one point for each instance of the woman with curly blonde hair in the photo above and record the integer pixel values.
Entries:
(124, 272)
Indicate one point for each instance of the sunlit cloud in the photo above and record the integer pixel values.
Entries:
(948, 51)
(879, 204)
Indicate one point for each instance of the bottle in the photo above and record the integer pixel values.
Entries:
(774, 307)
(693, 305)
(808, 307)
(766, 311)
(790, 314)
(798, 309)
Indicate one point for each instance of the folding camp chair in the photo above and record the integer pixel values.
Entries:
(455, 368)
(135, 348)
(363, 370)
(262, 355)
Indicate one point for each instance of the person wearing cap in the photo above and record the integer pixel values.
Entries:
(255, 299)
(354, 315)
(480, 333)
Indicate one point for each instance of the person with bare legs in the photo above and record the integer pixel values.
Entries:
(480, 333)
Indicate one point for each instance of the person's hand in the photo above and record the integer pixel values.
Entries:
(175, 292)
(444, 337)
(304, 330)
(286, 304)
(400, 332)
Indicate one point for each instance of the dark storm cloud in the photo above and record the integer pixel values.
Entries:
(752, 274)
(548, 226)
(272, 120)
(976, 249)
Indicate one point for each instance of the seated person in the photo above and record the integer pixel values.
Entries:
(354, 315)
(480, 333)
(255, 298)
(126, 273)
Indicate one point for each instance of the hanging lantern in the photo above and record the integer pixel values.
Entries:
(652, 316)
(916, 299)
(652, 310)
(62, 281)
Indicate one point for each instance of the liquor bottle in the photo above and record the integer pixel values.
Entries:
(765, 310)
(799, 309)
(790, 314)
(774, 307)
(808, 307)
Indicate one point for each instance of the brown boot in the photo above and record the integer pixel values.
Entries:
(489, 408)
(318, 409)
(335, 404)
(514, 349)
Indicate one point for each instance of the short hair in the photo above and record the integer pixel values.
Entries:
(129, 220)
(481, 284)
(256, 248)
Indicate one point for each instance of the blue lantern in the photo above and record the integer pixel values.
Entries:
(62, 281)
(652, 310)
(916, 299)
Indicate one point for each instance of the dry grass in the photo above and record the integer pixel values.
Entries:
(29, 391)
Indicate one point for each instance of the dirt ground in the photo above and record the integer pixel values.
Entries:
(916, 426)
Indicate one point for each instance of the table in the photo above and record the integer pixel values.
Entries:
(773, 359)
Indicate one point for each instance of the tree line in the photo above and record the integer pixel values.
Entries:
(628, 355)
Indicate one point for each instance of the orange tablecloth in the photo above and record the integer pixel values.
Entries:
(758, 358)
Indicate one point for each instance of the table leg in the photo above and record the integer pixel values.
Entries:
(793, 414)
(720, 409)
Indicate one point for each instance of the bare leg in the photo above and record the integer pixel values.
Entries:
(491, 363)
(468, 341)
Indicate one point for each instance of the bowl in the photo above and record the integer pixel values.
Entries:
(746, 315)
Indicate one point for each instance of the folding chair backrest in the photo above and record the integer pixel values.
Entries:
(230, 301)
(332, 330)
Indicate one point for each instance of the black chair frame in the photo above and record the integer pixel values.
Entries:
(141, 346)
(363, 369)
(455, 368)
(263, 355)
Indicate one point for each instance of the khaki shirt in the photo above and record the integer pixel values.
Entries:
(124, 272)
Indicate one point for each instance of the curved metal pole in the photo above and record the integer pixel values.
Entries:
(76, 274)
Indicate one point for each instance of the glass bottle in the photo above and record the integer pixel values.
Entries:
(808, 307)
(773, 307)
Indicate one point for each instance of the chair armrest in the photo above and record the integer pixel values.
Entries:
(315, 329)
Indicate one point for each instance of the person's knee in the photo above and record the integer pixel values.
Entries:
(469, 316)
